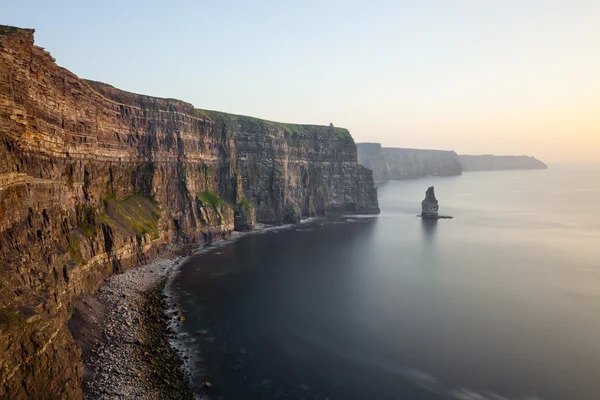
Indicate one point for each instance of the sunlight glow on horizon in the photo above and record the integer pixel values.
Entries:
(514, 77)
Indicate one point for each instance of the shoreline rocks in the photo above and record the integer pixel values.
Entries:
(136, 318)
(134, 358)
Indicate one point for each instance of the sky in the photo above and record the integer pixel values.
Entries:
(474, 76)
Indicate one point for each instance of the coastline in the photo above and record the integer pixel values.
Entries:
(133, 358)
(129, 329)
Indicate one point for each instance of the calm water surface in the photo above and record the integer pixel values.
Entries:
(502, 302)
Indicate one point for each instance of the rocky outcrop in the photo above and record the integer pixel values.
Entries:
(492, 163)
(94, 180)
(390, 163)
(429, 206)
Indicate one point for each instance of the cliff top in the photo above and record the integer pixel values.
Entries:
(169, 104)
(247, 122)
(498, 156)
(298, 129)
(488, 162)
(399, 149)
(6, 29)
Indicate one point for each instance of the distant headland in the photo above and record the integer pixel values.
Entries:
(488, 162)
(393, 163)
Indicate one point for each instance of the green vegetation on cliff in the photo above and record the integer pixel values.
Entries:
(136, 215)
(230, 122)
(213, 209)
(4, 29)
(86, 215)
(74, 248)
(244, 204)
(211, 200)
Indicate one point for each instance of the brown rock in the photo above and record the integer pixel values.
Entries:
(93, 180)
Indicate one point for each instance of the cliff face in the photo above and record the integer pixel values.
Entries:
(397, 163)
(94, 180)
(492, 163)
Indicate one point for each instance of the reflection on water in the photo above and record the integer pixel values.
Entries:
(429, 227)
(499, 303)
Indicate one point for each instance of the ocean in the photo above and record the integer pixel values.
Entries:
(500, 303)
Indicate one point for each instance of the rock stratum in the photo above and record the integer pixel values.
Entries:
(496, 163)
(391, 163)
(94, 180)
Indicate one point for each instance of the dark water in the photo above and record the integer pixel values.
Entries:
(502, 302)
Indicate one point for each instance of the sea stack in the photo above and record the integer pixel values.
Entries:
(429, 206)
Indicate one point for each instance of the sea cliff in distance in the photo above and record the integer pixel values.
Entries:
(393, 163)
(488, 162)
(390, 163)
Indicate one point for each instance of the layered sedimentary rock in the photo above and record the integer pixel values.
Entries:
(94, 180)
(390, 163)
(489, 162)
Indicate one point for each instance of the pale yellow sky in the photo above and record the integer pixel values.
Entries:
(531, 89)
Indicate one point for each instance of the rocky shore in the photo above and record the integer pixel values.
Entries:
(132, 358)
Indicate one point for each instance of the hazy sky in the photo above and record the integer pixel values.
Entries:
(511, 77)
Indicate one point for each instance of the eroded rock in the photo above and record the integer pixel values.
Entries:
(430, 206)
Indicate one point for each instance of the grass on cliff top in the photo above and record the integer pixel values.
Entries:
(292, 129)
(75, 248)
(4, 29)
(7, 29)
(136, 215)
(214, 202)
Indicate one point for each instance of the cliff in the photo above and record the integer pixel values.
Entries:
(492, 163)
(389, 163)
(94, 180)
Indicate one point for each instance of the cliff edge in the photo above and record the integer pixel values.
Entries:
(94, 180)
